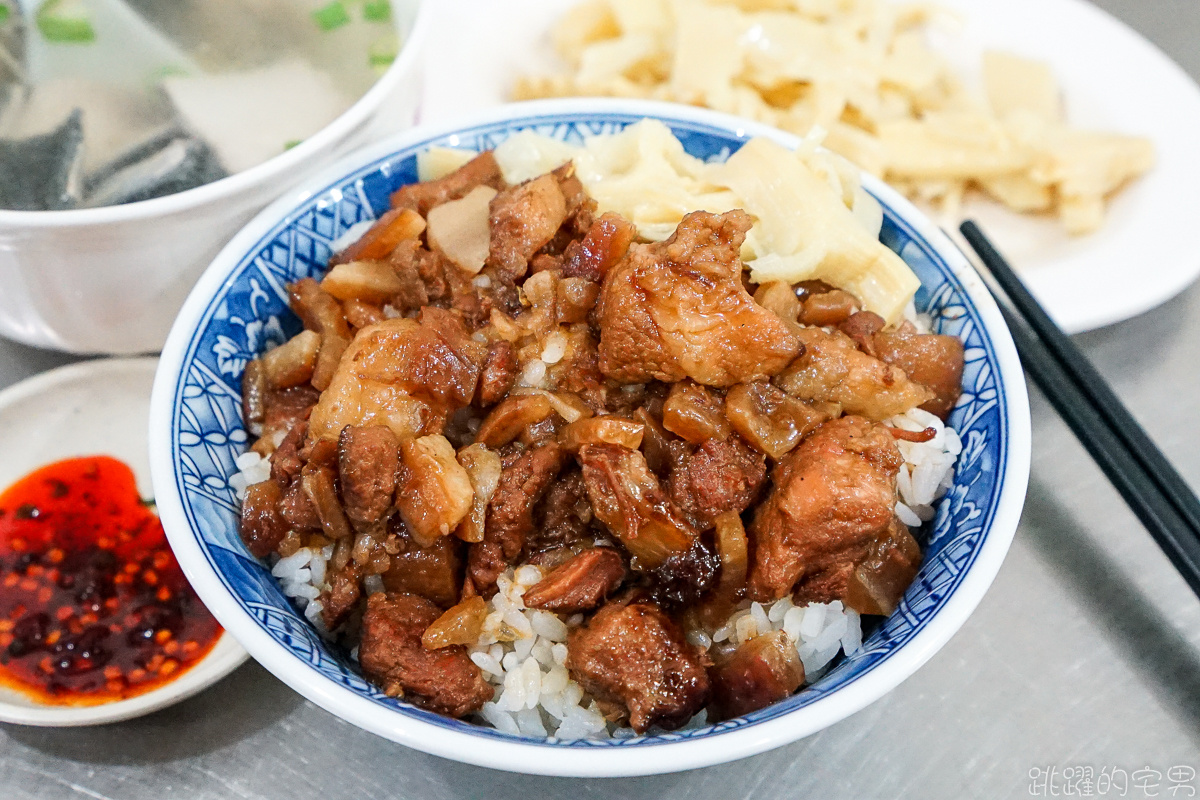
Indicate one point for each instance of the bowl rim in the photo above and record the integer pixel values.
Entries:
(530, 757)
(273, 169)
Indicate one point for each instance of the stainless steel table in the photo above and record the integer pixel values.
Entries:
(1085, 654)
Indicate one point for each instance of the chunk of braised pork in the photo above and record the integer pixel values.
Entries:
(833, 496)
(342, 596)
(769, 418)
(285, 461)
(393, 227)
(603, 247)
(881, 579)
(678, 309)
(635, 661)
(720, 475)
(499, 373)
(523, 219)
(368, 459)
(580, 584)
(405, 374)
(933, 360)
(523, 481)
(627, 498)
(392, 656)
(581, 208)
(563, 520)
(320, 312)
(832, 369)
(760, 672)
(262, 528)
(435, 571)
(479, 171)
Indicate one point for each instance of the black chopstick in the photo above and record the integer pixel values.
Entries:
(1152, 488)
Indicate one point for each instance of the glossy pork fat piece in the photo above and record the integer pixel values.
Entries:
(495, 378)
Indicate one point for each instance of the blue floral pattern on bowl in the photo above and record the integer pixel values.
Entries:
(249, 314)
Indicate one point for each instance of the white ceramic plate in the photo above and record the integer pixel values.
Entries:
(1112, 78)
(92, 408)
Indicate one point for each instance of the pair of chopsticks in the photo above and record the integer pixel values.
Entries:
(1152, 488)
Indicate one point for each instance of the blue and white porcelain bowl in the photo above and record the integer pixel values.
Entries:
(239, 309)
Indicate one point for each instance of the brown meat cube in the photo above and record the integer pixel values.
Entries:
(634, 659)
(523, 219)
(862, 327)
(627, 497)
(831, 369)
(393, 657)
(523, 481)
(605, 244)
(342, 597)
(286, 407)
(479, 171)
(368, 459)
(760, 672)
(678, 309)
(262, 528)
(581, 208)
(298, 510)
(285, 461)
(564, 517)
(500, 371)
(933, 360)
(833, 496)
(580, 584)
(832, 307)
(434, 572)
(721, 475)
(406, 261)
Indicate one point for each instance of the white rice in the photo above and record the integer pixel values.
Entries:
(522, 652)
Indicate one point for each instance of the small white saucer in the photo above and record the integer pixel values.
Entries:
(96, 407)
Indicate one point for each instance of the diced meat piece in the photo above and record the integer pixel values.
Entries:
(760, 672)
(285, 461)
(833, 496)
(360, 314)
(405, 261)
(576, 297)
(564, 517)
(286, 407)
(832, 369)
(297, 510)
(627, 498)
(434, 572)
(678, 309)
(721, 475)
(342, 597)
(862, 327)
(634, 659)
(368, 459)
(877, 584)
(262, 528)
(254, 391)
(392, 656)
(523, 219)
(479, 171)
(580, 584)
(832, 307)
(769, 418)
(400, 373)
(523, 482)
(605, 244)
(581, 208)
(933, 360)
(695, 413)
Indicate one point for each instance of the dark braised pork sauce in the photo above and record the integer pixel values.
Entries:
(494, 376)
